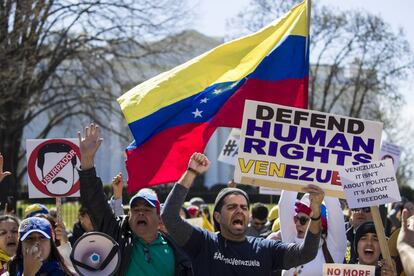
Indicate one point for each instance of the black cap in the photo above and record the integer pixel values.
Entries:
(219, 201)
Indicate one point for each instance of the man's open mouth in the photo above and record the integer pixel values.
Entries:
(237, 222)
(368, 251)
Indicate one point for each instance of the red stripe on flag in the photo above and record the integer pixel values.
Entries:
(164, 158)
(291, 92)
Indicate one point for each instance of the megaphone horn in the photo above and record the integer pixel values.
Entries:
(95, 253)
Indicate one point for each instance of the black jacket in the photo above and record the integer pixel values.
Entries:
(94, 199)
(77, 232)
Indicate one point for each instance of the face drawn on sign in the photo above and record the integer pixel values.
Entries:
(52, 167)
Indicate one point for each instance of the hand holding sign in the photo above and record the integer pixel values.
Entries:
(2, 173)
(388, 268)
(316, 195)
(89, 145)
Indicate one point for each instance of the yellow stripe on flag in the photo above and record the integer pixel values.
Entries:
(229, 62)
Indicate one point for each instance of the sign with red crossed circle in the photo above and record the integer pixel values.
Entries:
(52, 167)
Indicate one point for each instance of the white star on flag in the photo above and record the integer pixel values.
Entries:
(216, 91)
(205, 100)
(197, 113)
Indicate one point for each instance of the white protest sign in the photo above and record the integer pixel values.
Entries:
(348, 270)
(370, 184)
(269, 191)
(230, 149)
(195, 221)
(51, 167)
(391, 151)
(289, 148)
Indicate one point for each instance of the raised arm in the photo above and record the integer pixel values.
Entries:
(286, 214)
(116, 200)
(91, 189)
(179, 229)
(3, 174)
(307, 251)
(336, 239)
(405, 243)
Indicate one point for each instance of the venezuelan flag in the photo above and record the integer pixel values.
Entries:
(174, 114)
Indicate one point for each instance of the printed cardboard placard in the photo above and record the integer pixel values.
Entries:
(269, 191)
(289, 148)
(51, 167)
(348, 270)
(391, 151)
(370, 184)
(230, 149)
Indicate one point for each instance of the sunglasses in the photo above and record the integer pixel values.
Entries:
(302, 219)
(364, 210)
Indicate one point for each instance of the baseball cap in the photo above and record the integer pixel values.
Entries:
(197, 201)
(149, 196)
(35, 209)
(35, 224)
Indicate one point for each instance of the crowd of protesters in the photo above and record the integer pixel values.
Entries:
(295, 237)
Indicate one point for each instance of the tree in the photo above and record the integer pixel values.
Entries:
(357, 62)
(57, 62)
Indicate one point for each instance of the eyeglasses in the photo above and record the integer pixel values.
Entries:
(364, 210)
(302, 219)
(147, 254)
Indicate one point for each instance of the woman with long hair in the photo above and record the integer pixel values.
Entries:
(9, 226)
(37, 253)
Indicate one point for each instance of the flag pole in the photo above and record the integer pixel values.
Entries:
(308, 19)
(307, 48)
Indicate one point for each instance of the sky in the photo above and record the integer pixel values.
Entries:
(212, 16)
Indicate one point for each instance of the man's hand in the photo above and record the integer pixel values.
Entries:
(316, 195)
(406, 236)
(197, 165)
(117, 185)
(388, 269)
(405, 243)
(61, 233)
(88, 145)
(2, 173)
(199, 162)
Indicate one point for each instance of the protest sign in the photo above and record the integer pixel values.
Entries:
(269, 191)
(391, 151)
(51, 167)
(230, 149)
(195, 221)
(289, 148)
(348, 270)
(370, 184)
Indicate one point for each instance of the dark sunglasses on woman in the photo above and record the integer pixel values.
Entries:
(302, 219)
